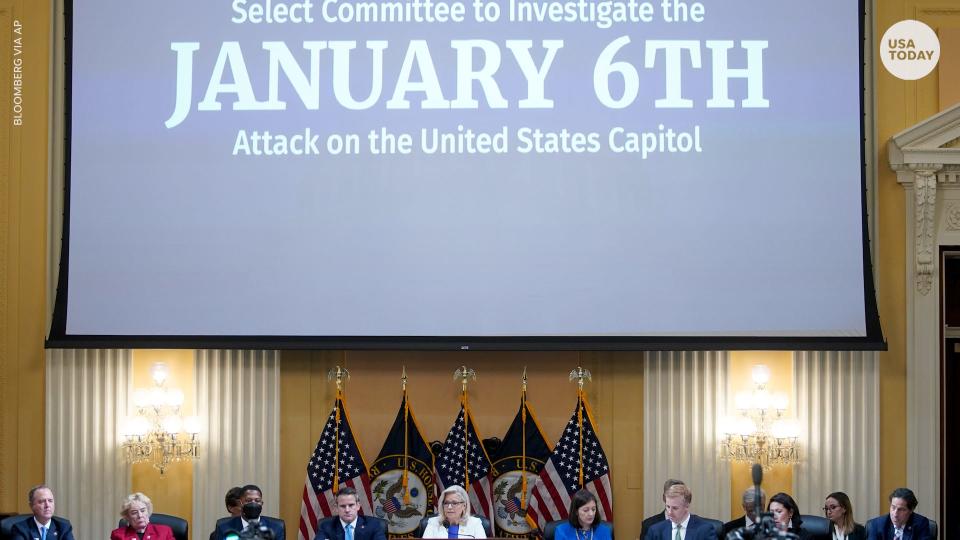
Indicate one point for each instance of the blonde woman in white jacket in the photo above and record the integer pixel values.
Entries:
(454, 519)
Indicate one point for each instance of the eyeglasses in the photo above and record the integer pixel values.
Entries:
(448, 504)
(137, 512)
(831, 508)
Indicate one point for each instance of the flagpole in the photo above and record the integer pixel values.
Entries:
(580, 375)
(523, 452)
(340, 375)
(406, 439)
(464, 374)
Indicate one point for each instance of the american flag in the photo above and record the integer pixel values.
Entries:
(462, 452)
(337, 460)
(561, 476)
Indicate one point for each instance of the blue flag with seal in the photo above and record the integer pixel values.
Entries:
(402, 476)
(516, 467)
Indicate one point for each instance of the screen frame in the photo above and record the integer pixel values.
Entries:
(59, 338)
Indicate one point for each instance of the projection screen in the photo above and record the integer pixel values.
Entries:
(477, 173)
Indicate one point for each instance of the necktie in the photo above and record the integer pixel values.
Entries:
(349, 531)
(677, 536)
(43, 533)
(897, 533)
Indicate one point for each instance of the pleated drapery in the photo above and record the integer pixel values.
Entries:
(838, 404)
(238, 401)
(86, 402)
(684, 396)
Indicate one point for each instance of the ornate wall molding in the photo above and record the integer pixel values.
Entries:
(953, 217)
(928, 168)
(925, 201)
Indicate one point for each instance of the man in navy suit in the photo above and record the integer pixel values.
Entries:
(659, 516)
(252, 501)
(680, 523)
(42, 525)
(348, 525)
(902, 523)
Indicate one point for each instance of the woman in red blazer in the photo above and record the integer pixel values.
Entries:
(136, 510)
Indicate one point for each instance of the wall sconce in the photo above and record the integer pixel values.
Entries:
(760, 433)
(158, 433)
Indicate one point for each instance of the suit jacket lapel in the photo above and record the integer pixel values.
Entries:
(358, 528)
(32, 527)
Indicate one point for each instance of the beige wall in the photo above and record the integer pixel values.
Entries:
(23, 215)
(374, 392)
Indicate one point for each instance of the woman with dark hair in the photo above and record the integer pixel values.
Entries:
(583, 523)
(839, 511)
(786, 515)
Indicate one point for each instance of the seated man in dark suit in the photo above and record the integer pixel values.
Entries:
(234, 507)
(749, 517)
(659, 516)
(902, 523)
(349, 525)
(42, 525)
(252, 500)
(680, 523)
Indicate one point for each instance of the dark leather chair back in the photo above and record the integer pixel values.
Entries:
(550, 528)
(6, 526)
(717, 526)
(817, 526)
(423, 526)
(933, 530)
(177, 524)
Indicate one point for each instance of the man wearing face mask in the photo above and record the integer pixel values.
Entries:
(252, 501)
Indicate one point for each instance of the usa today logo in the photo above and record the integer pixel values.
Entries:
(909, 50)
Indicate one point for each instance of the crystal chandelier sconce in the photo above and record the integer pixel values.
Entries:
(760, 432)
(157, 433)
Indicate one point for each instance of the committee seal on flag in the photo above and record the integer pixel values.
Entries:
(511, 514)
(388, 501)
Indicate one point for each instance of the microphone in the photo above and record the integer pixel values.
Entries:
(757, 472)
(446, 525)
